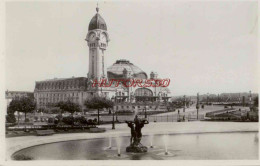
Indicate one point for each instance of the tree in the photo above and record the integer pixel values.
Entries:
(68, 106)
(23, 104)
(10, 118)
(98, 103)
(256, 101)
(170, 106)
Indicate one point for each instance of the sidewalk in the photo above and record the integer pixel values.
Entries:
(17, 143)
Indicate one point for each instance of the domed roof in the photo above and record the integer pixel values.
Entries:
(97, 22)
(116, 70)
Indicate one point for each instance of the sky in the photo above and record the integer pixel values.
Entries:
(206, 47)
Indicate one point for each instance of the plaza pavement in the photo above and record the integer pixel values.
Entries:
(15, 144)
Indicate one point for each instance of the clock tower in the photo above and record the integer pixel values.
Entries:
(97, 39)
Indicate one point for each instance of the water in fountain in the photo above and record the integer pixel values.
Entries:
(151, 137)
(118, 141)
(109, 144)
(165, 137)
(166, 142)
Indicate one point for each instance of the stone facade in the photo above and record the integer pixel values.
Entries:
(49, 92)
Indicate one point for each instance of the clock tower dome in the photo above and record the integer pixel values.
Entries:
(97, 39)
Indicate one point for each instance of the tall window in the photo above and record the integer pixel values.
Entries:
(103, 66)
(93, 61)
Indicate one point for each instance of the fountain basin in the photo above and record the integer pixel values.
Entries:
(218, 146)
(136, 148)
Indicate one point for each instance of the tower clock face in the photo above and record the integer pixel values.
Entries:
(103, 38)
(92, 37)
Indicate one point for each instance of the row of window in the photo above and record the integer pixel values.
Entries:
(72, 98)
(59, 85)
(43, 102)
(122, 107)
(120, 94)
(58, 95)
(50, 103)
(94, 45)
(140, 92)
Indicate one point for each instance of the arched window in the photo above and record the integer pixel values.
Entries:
(143, 92)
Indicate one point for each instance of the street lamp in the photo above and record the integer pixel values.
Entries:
(250, 101)
(116, 113)
(145, 115)
(207, 98)
(113, 122)
(145, 102)
(113, 112)
(184, 103)
(197, 106)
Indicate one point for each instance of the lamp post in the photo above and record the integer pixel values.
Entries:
(116, 113)
(184, 103)
(145, 106)
(239, 102)
(145, 115)
(207, 98)
(250, 100)
(113, 113)
(113, 122)
(197, 106)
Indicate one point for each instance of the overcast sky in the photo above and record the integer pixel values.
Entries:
(201, 46)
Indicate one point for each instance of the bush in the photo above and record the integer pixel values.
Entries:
(10, 118)
(80, 119)
(69, 120)
(22, 157)
(92, 122)
(50, 120)
(57, 119)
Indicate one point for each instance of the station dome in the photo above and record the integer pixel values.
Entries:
(117, 69)
(97, 22)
